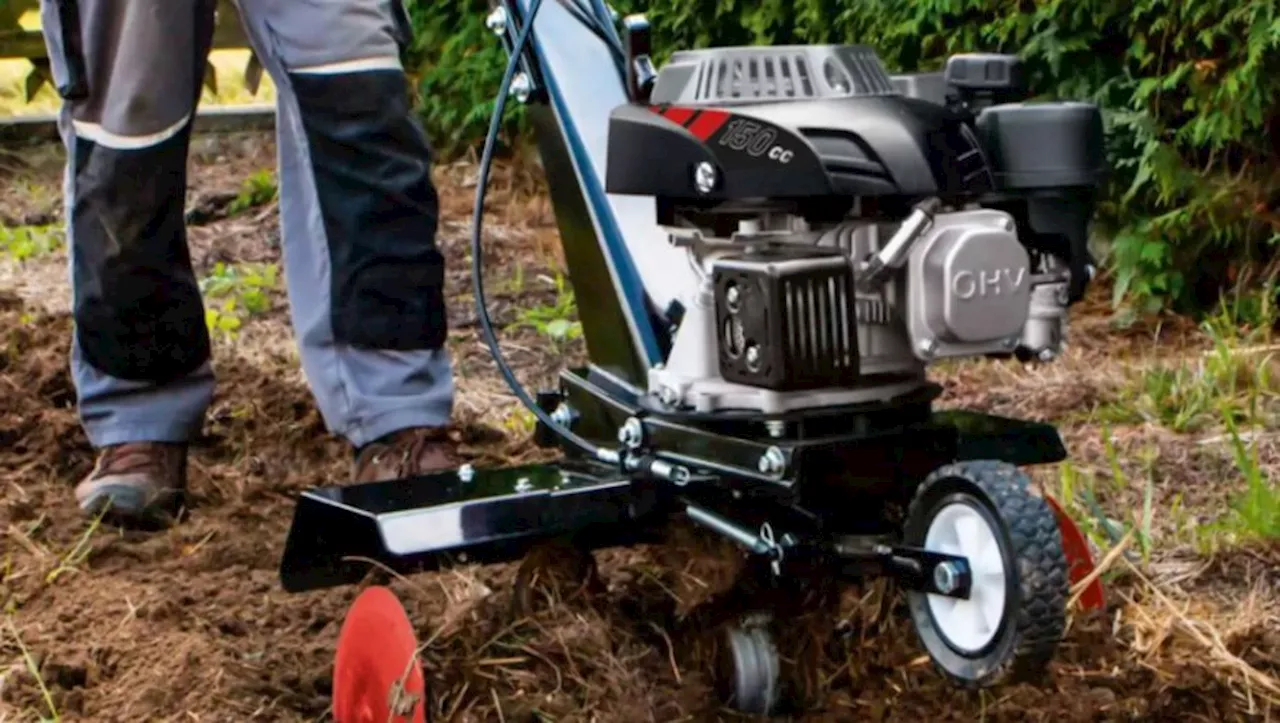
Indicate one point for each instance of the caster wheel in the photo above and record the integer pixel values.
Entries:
(557, 570)
(377, 676)
(1010, 626)
(750, 675)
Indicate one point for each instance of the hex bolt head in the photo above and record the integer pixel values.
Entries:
(773, 462)
(521, 87)
(497, 20)
(946, 577)
(631, 434)
(705, 177)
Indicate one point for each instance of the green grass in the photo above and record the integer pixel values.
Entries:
(1237, 377)
(1225, 394)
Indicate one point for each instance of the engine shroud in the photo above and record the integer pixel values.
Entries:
(829, 122)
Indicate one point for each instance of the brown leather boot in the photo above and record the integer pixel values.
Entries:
(407, 453)
(140, 483)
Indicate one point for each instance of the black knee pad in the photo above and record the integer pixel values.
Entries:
(138, 310)
(372, 167)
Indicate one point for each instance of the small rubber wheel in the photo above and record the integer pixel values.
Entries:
(1010, 626)
(750, 675)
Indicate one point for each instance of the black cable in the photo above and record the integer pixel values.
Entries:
(477, 251)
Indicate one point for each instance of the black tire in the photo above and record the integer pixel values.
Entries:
(750, 674)
(1035, 568)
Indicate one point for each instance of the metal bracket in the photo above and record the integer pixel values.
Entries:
(914, 568)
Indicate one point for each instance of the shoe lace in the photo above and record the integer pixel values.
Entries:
(412, 447)
(130, 458)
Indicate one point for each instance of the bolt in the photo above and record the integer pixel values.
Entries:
(497, 20)
(928, 347)
(1047, 355)
(732, 296)
(753, 356)
(946, 578)
(466, 473)
(776, 427)
(563, 415)
(523, 485)
(773, 462)
(631, 434)
(680, 476)
(704, 177)
(669, 396)
(521, 87)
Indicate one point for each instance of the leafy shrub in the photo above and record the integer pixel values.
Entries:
(1190, 93)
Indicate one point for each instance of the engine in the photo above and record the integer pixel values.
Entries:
(848, 227)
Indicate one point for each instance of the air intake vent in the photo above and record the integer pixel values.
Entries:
(753, 74)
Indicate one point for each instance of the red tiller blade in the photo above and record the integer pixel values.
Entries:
(377, 665)
(1079, 558)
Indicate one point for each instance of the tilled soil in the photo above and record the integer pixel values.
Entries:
(191, 624)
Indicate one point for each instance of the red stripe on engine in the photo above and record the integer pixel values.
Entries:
(708, 122)
(678, 115)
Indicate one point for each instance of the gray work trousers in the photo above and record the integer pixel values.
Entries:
(358, 210)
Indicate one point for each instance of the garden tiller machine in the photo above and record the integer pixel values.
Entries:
(770, 246)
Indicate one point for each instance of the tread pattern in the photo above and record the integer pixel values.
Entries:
(1042, 567)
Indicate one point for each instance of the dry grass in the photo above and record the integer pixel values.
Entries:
(1171, 430)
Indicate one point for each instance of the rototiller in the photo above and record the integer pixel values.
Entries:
(770, 246)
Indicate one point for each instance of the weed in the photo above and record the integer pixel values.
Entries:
(1255, 514)
(33, 669)
(28, 242)
(557, 320)
(1235, 378)
(234, 293)
(257, 190)
(520, 422)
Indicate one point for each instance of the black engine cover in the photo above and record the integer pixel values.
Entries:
(790, 122)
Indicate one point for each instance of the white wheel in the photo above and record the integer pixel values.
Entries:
(969, 625)
(1010, 625)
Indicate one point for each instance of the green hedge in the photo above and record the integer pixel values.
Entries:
(1190, 90)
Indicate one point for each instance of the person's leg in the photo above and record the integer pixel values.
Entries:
(359, 215)
(140, 352)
